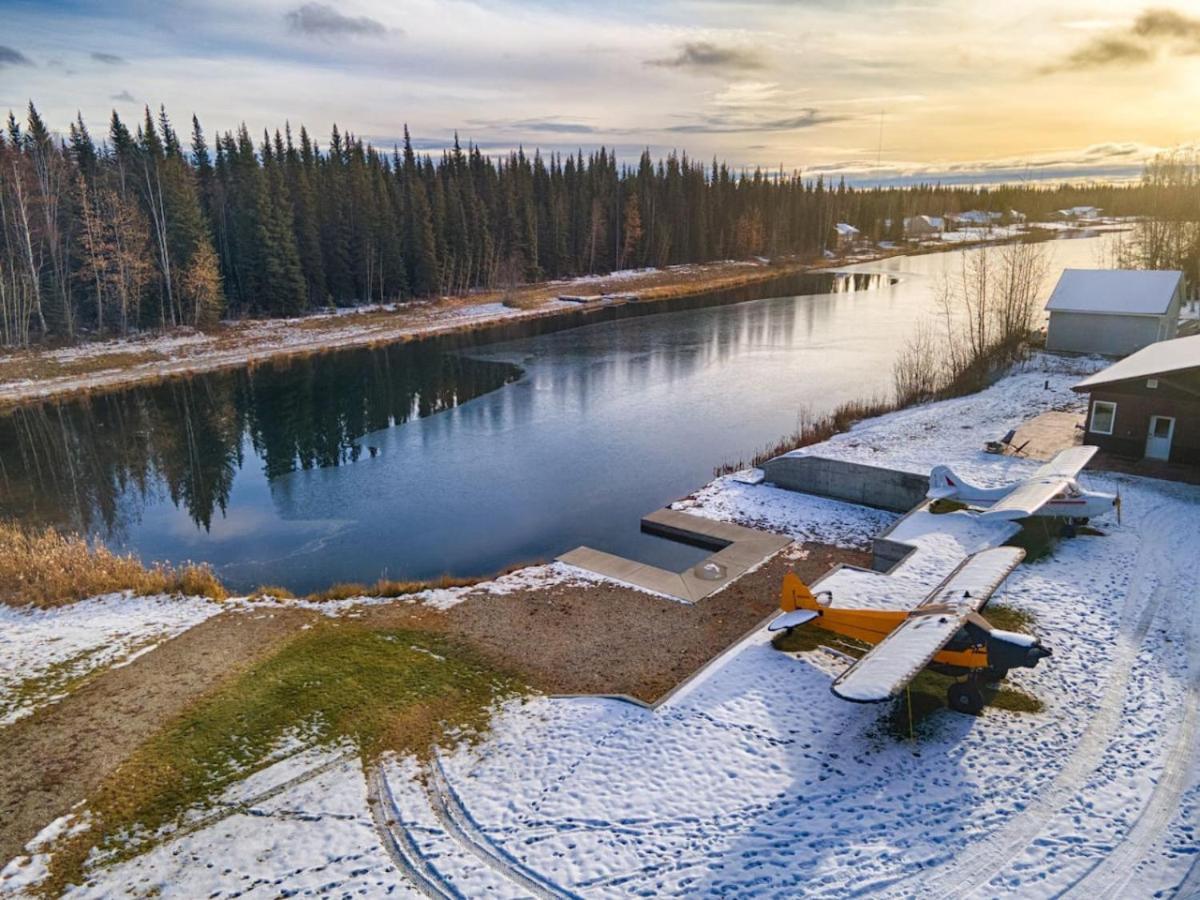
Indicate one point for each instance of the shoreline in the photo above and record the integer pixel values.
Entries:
(33, 376)
(29, 377)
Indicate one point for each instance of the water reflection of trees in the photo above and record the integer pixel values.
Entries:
(93, 464)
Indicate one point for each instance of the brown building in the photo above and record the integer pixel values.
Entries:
(1148, 404)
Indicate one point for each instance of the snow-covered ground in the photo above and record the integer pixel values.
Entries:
(44, 651)
(755, 781)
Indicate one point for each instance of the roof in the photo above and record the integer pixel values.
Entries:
(932, 221)
(1157, 359)
(1114, 292)
(844, 229)
(978, 215)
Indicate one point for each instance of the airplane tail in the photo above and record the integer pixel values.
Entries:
(796, 595)
(798, 604)
(944, 484)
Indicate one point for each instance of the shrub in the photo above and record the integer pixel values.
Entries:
(47, 568)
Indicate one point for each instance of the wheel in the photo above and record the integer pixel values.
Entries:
(965, 697)
(1083, 520)
(1068, 529)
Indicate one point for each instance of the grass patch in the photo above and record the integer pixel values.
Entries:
(927, 693)
(46, 568)
(1009, 618)
(380, 690)
(1038, 537)
(384, 587)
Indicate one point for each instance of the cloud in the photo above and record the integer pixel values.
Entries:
(11, 57)
(707, 56)
(123, 97)
(733, 123)
(1153, 33)
(1167, 24)
(110, 59)
(1109, 50)
(548, 125)
(322, 20)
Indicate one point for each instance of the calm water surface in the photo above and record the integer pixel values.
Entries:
(421, 459)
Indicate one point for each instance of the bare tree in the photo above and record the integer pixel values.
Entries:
(989, 308)
(1169, 236)
(918, 372)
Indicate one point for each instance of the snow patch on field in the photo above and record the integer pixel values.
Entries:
(729, 499)
(43, 651)
(300, 827)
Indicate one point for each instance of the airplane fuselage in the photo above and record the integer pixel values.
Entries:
(1072, 503)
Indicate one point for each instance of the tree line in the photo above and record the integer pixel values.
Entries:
(142, 230)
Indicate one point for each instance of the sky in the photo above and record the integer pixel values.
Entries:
(883, 91)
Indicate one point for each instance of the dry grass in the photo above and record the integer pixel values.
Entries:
(271, 592)
(813, 430)
(46, 568)
(384, 587)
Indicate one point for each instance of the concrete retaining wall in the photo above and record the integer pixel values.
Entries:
(853, 482)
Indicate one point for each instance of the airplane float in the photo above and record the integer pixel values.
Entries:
(944, 632)
(1051, 491)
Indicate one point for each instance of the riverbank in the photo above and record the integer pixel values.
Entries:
(30, 376)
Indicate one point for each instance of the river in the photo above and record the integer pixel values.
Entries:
(454, 456)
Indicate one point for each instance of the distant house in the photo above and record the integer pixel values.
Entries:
(923, 226)
(1113, 311)
(845, 234)
(975, 218)
(1079, 212)
(1148, 404)
(1015, 216)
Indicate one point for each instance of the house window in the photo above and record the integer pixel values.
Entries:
(1104, 414)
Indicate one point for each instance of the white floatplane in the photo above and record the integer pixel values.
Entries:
(1051, 491)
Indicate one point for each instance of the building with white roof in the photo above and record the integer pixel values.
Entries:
(1148, 404)
(1113, 311)
(924, 226)
(846, 233)
(1080, 212)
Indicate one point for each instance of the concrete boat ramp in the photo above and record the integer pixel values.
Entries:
(917, 551)
(737, 551)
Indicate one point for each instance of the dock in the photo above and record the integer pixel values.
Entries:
(736, 551)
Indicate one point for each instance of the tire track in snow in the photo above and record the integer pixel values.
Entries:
(399, 844)
(246, 807)
(980, 862)
(1110, 874)
(459, 825)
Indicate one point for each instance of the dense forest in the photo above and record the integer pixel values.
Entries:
(139, 230)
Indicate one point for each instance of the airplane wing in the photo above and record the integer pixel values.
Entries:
(1035, 492)
(1067, 463)
(896, 660)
